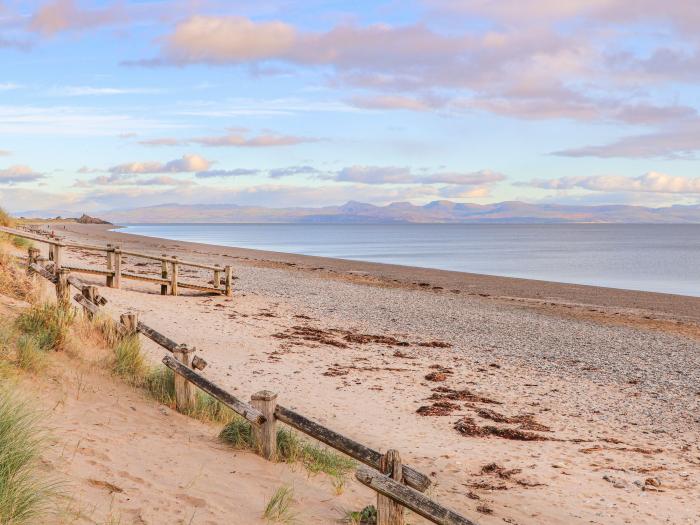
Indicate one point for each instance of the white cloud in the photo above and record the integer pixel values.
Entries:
(651, 182)
(186, 164)
(19, 173)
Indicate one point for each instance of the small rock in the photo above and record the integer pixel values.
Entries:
(652, 482)
(616, 482)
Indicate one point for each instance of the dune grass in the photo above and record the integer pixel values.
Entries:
(25, 494)
(6, 219)
(279, 507)
(292, 448)
(48, 323)
(30, 356)
(366, 516)
(21, 242)
(14, 281)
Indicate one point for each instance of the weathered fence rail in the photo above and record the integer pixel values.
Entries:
(397, 486)
(114, 273)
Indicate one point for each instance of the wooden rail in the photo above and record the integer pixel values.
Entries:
(114, 259)
(398, 486)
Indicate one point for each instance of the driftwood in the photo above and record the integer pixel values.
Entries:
(239, 407)
(410, 498)
(355, 450)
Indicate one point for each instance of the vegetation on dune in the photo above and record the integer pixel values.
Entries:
(14, 281)
(279, 507)
(366, 516)
(48, 323)
(292, 448)
(25, 494)
(6, 219)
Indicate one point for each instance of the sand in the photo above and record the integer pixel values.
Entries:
(606, 380)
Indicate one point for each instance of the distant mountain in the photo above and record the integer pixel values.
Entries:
(404, 212)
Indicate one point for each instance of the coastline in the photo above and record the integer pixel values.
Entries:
(392, 275)
(609, 377)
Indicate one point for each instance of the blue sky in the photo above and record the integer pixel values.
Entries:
(109, 105)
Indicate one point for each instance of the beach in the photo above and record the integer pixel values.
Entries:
(593, 392)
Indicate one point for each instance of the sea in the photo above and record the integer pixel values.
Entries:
(651, 257)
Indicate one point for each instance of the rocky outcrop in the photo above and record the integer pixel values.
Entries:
(86, 219)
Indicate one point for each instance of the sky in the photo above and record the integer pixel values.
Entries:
(111, 105)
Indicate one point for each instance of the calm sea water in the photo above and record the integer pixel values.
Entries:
(660, 258)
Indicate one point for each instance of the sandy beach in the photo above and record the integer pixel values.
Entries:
(526, 401)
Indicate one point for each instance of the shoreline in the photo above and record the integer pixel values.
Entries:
(394, 275)
(398, 357)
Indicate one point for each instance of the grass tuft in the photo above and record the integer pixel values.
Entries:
(292, 448)
(279, 508)
(6, 219)
(48, 324)
(21, 242)
(366, 516)
(160, 383)
(14, 281)
(129, 363)
(25, 496)
(30, 355)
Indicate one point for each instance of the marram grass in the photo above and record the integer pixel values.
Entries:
(26, 496)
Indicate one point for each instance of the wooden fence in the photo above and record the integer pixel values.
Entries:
(397, 485)
(169, 272)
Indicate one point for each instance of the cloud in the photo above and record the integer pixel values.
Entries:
(73, 121)
(680, 141)
(398, 175)
(240, 172)
(225, 40)
(5, 153)
(81, 91)
(66, 15)
(161, 142)
(19, 173)
(375, 175)
(278, 173)
(260, 141)
(9, 86)
(236, 138)
(651, 182)
(187, 164)
(398, 102)
(465, 179)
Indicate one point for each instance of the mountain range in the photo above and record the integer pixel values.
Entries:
(403, 212)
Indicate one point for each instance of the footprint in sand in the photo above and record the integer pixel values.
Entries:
(192, 500)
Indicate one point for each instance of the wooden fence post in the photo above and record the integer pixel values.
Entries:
(173, 278)
(185, 395)
(57, 254)
(109, 281)
(388, 511)
(164, 275)
(217, 277)
(117, 281)
(265, 435)
(229, 280)
(63, 288)
(130, 321)
(90, 293)
(32, 256)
